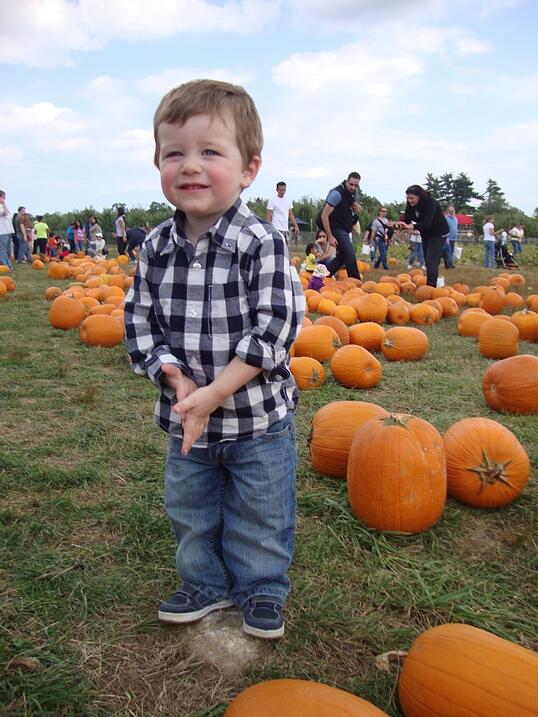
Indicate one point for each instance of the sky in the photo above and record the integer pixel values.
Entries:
(392, 89)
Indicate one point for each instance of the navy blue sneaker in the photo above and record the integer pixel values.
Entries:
(262, 617)
(190, 605)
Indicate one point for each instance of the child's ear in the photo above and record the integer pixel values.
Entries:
(251, 170)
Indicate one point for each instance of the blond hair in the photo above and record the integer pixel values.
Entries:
(212, 98)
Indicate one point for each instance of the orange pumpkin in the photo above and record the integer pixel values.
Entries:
(493, 300)
(3, 288)
(299, 698)
(486, 466)
(373, 308)
(396, 474)
(347, 314)
(8, 281)
(333, 428)
(511, 385)
(405, 343)
(318, 341)
(423, 315)
(457, 670)
(514, 300)
(449, 306)
(355, 367)
(369, 334)
(398, 313)
(101, 330)
(532, 302)
(336, 324)
(470, 321)
(498, 339)
(66, 312)
(527, 324)
(307, 371)
(52, 292)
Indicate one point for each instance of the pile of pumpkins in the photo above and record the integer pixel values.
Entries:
(451, 670)
(94, 302)
(349, 327)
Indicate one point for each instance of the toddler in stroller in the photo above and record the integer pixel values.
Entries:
(503, 258)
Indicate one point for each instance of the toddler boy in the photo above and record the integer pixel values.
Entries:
(213, 310)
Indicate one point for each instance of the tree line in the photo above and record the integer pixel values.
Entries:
(449, 189)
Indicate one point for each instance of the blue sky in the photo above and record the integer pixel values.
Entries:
(390, 88)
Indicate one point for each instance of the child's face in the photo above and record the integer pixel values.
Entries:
(202, 171)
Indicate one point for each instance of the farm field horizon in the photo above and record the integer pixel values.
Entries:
(88, 552)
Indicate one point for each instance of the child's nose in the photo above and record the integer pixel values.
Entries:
(191, 164)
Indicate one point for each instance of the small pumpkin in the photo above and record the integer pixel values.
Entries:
(511, 385)
(498, 339)
(307, 371)
(101, 330)
(405, 343)
(457, 670)
(299, 698)
(333, 428)
(373, 308)
(336, 324)
(423, 314)
(66, 312)
(487, 467)
(470, 321)
(396, 474)
(527, 324)
(318, 341)
(493, 300)
(368, 334)
(355, 367)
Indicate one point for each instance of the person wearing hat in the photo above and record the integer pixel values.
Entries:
(98, 244)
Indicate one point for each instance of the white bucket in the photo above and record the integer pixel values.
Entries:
(440, 281)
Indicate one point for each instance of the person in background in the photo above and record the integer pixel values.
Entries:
(41, 231)
(517, 234)
(379, 230)
(23, 237)
(423, 213)
(311, 257)
(6, 230)
(120, 230)
(504, 237)
(78, 233)
(452, 220)
(280, 213)
(52, 245)
(93, 230)
(325, 252)
(135, 238)
(70, 235)
(489, 243)
(318, 275)
(338, 216)
(86, 229)
(416, 254)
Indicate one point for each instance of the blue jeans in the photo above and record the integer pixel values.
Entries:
(489, 254)
(6, 245)
(382, 258)
(345, 255)
(25, 251)
(416, 253)
(447, 255)
(516, 247)
(232, 509)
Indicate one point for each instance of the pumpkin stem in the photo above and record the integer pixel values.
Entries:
(490, 472)
(396, 419)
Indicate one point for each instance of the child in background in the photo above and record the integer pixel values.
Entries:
(214, 308)
(52, 245)
(311, 257)
(319, 273)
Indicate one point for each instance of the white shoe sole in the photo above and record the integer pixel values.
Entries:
(263, 634)
(186, 617)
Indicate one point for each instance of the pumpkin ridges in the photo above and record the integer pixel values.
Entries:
(512, 384)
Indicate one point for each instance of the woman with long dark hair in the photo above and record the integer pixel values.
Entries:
(121, 230)
(423, 213)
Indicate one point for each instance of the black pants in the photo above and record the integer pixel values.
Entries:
(433, 250)
(345, 254)
(122, 243)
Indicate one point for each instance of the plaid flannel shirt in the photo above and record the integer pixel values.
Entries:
(234, 294)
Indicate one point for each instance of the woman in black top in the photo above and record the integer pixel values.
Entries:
(423, 213)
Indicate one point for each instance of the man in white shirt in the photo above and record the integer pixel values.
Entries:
(280, 213)
(489, 243)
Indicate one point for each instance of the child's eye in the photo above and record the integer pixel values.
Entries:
(172, 153)
(210, 152)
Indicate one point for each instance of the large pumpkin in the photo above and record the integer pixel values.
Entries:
(493, 300)
(486, 466)
(66, 313)
(396, 474)
(319, 342)
(471, 320)
(498, 339)
(101, 330)
(527, 324)
(373, 308)
(369, 335)
(404, 343)
(333, 428)
(336, 324)
(355, 367)
(299, 698)
(511, 385)
(307, 371)
(460, 671)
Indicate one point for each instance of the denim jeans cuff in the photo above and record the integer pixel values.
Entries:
(276, 594)
(208, 591)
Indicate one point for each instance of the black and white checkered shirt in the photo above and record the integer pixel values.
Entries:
(234, 294)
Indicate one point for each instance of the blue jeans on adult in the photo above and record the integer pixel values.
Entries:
(489, 254)
(5, 250)
(382, 258)
(447, 255)
(25, 251)
(232, 508)
(516, 247)
(416, 253)
(345, 255)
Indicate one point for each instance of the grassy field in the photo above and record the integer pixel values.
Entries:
(87, 552)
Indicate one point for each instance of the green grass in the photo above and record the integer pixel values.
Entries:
(87, 552)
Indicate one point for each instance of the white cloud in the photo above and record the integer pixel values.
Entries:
(10, 155)
(47, 33)
(40, 119)
(158, 84)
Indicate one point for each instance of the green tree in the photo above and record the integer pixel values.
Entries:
(494, 200)
(433, 185)
(446, 193)
(258, 205)
(462, 192)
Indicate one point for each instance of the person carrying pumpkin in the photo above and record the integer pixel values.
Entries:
(213, 310)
